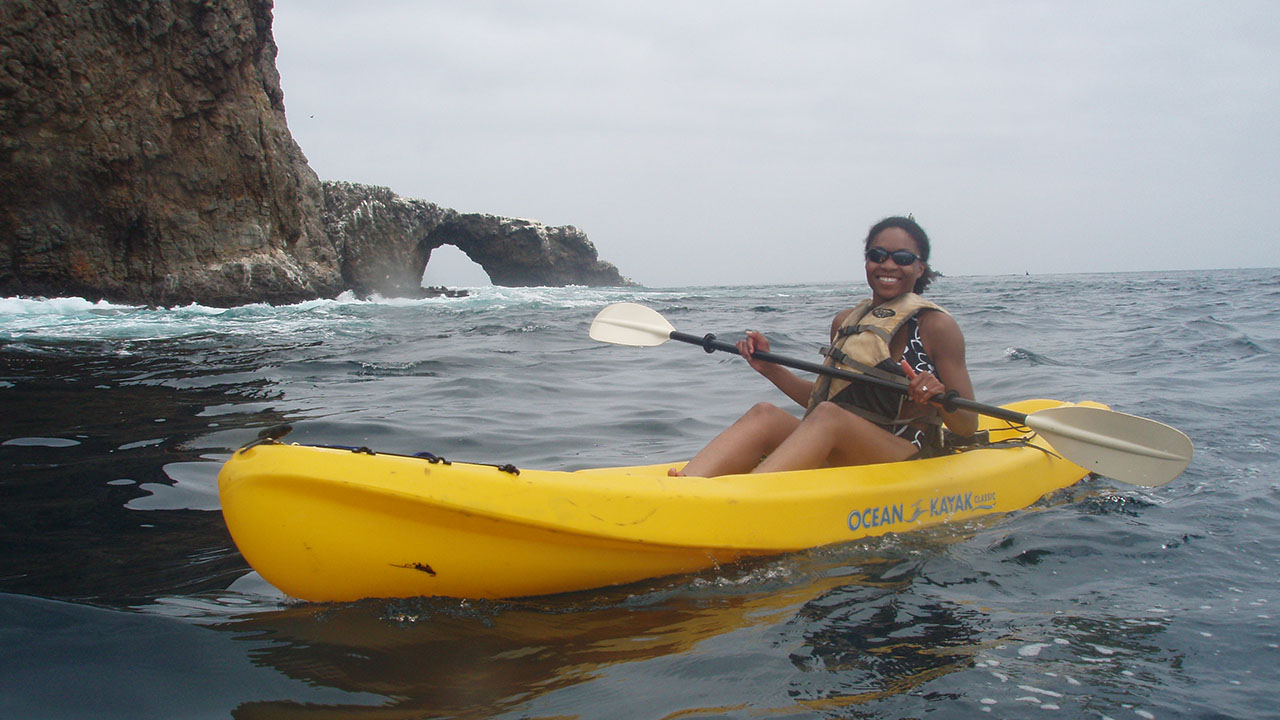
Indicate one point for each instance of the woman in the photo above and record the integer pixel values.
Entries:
(893, 333)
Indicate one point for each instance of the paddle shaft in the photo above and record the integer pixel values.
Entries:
(711, 344)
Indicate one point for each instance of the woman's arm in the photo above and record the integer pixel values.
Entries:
(944, 343)
(791, 385)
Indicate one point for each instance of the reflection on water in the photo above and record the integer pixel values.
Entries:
(875, 642)
(854, 628)
(443, 657)
(69, 519)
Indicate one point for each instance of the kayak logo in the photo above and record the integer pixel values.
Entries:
(947, 505)
(875, 516)
(952, 504)
(883, 312)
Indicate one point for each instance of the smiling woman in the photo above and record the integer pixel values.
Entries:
(895, 335)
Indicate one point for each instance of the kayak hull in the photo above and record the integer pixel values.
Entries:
(325, 524)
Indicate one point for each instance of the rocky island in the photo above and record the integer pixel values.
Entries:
(387, 241)
(145, 157)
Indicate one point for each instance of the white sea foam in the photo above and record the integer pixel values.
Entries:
(54, 306)
(78, 319)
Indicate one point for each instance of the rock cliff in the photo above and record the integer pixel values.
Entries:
(386, 242)
(145, 157)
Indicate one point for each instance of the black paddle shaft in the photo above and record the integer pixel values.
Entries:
(711, 344)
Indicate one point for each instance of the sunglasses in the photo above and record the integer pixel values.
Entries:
(902, 258)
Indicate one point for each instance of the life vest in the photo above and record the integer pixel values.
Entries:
(861, 345)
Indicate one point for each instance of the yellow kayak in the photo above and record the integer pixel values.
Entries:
(325, 524)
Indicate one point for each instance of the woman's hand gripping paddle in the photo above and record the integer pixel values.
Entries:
(1127, 448)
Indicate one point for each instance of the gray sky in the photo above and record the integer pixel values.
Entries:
(727, 142)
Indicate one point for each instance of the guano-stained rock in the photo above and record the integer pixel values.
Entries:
(386, 243)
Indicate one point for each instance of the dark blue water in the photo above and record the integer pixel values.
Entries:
(122, 596)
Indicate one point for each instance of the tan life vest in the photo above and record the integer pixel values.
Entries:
(861, 345)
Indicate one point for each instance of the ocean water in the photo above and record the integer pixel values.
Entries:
(122, 595)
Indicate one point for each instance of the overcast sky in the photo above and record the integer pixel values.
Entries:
(737, 142)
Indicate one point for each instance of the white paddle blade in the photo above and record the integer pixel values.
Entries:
(630, 324)
(1124, 447)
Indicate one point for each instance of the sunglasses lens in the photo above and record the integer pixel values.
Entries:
(900, 257)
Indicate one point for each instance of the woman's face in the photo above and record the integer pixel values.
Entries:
(887, 278)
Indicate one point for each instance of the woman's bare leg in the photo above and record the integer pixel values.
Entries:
(833, 437)
(739, 448)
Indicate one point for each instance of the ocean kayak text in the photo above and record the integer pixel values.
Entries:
(896, 513)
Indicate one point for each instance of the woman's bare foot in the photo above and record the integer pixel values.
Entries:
(674, 472)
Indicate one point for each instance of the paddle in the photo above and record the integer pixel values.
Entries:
(1127, 448)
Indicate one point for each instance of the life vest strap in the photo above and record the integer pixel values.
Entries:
(847, 330)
